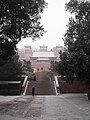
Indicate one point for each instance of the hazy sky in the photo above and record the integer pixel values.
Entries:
(54, 20)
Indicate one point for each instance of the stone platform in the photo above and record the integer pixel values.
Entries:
(62, 107)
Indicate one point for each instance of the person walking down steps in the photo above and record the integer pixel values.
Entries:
(33, 91)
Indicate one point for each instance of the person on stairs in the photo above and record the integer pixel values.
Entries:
(33, 91)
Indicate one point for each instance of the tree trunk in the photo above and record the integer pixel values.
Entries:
(88, 92)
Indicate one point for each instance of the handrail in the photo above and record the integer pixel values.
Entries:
(24, 86)
(57, 86)
(56, 81)
(25, 81)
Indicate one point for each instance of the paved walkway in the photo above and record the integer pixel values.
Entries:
(63, 107)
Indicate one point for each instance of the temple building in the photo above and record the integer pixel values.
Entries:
(41, 59)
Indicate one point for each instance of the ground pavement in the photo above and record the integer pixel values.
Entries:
(62, 107)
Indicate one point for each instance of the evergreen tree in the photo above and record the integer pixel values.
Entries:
(18, 19)
(75, 61)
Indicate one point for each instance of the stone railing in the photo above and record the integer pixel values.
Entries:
(24, 86)
(56, 84)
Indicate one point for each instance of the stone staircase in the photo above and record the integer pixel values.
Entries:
(43, 86)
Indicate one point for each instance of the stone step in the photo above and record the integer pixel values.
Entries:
(41, 88)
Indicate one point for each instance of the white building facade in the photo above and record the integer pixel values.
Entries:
(40, 59)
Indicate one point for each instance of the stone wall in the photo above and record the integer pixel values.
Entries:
(75, 87)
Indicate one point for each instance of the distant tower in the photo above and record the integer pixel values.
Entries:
(28, 52)
(57, 50)
(21, 53)
(43, 48)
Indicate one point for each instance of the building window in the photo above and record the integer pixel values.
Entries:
(41, 68)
